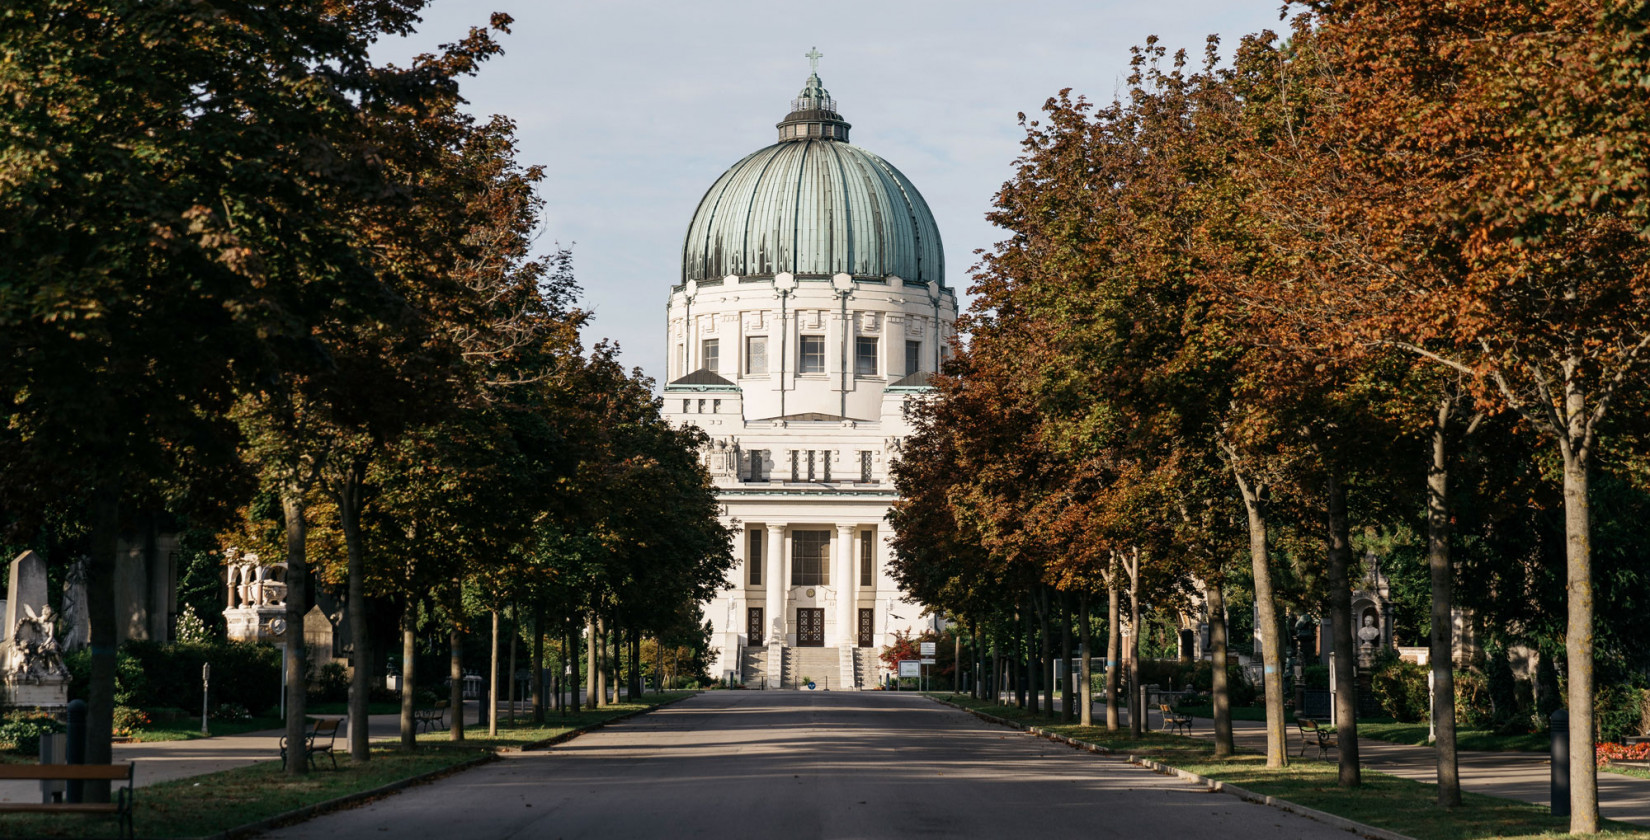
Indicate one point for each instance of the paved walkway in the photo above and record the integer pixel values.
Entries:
(1510, 775)
(164, 761)
(804, 765)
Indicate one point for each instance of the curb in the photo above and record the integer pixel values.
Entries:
(1212, 785)
(346, 801)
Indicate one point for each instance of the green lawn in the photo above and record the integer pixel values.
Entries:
(1383, 801)
(237, 797)
(1415, 734)
(1256, 713)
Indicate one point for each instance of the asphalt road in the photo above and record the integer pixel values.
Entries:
(807, 765)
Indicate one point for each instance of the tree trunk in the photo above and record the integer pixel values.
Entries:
(1578, 636)
(590, 662)
(100, 607)
(1085, 638)
(1067, 696)
(1114, 649)
(409, 651)
(1220, 693)
(492, 682)
(1045, 651)
(1266, 613)
(1021, 672)
(1340, 618)
(349, 500)
(515, 634)
(455, 670)
(575, 684)
(604, 661)
(1443, 611)
(1137, 704)
(538, 663)
(297, 576)
(1033, 669)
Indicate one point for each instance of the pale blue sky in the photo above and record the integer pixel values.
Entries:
(634, 108)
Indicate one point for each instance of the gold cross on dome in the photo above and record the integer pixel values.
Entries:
(813, 55)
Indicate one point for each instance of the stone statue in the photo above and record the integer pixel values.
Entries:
(77, 618)
(35, 655)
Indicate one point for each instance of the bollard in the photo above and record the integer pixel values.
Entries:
(1559, 726)
(77, 747)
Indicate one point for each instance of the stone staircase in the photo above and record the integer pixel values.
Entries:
(823, 664)
(753, 668)
(866, 666)
(848, 673)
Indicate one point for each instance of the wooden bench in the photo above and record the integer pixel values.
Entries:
(318, 740)
(1174, 720)
(429, 720)
(1314, 733)
(121, 807)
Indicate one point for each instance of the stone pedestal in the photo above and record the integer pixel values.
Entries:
(48, 693)
(254, 624)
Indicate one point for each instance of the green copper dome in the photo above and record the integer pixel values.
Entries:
(813, 205)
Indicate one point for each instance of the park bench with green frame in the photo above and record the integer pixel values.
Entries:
(121, 807)
(431, 719)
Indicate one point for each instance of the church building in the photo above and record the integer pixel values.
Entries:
(812, 305)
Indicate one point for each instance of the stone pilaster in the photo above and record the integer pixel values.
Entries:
(845, 589)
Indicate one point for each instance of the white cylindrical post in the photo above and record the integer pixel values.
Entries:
(776, 586)
(845, 585)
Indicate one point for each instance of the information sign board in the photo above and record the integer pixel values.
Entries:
(927, 648)
(928, 660)
(910, 668)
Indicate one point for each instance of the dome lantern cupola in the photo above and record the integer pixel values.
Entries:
(813, 113)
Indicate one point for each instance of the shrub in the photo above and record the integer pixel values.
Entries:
(22, 731)
(329, 684)
(231, 711)
(1400, 689)
(129, 720)
(1618, 709)
(155, 675)
(1603, 754)
(1472, 700)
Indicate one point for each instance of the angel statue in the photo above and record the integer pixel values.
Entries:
(35, 652)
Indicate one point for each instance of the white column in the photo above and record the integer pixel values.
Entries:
(777, 585)
(844, 557)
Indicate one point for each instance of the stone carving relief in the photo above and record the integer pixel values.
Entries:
(35, 655)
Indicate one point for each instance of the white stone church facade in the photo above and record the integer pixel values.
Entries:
(811, 307)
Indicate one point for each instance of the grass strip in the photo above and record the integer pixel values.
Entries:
(210, 804)
(1386, 802)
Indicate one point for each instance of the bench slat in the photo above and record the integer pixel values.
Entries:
(43, 807)
(66, 772)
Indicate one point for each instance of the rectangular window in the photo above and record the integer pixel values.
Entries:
(715, 406)
(756, 354)
(825, 461)
(913, 357)
(867, 560)
(865, 356)
(810, 558)
(701, 407)
(810, 465)
(753, 556)
(865, 466)
(687, 405)
(795, 457)
(812, 354)
(759, 467)
(710, 357)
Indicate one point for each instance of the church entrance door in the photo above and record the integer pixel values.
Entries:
(867, 619)
(753, 626)
(810, 627)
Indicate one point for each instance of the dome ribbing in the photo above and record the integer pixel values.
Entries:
(813, 205)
